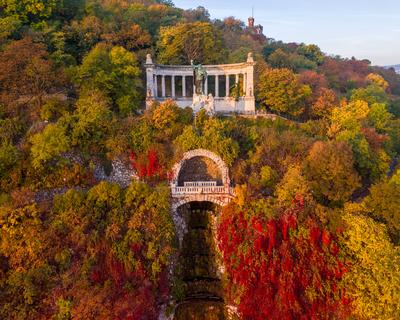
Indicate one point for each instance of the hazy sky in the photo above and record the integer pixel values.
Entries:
(362, 28)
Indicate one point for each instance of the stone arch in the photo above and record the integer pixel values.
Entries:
(222, 201)
(201, 153)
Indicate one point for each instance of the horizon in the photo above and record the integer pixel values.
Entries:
(364, 30)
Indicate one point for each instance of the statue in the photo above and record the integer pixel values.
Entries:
(199, 76)
(209, 105)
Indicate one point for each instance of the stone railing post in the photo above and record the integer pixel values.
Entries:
(227, 85)
(216, 86)
(183, 86)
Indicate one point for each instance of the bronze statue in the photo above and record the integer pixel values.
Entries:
(199, 77)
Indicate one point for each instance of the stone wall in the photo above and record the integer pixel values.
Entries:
(199, 169)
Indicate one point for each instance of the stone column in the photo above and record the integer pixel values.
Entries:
(250, 76)
(216, 86)
(155, 86)
(227, 85)
(183, 86)
(150, 66)
(206, 86)
(237, 78)
(173, 86)
(250, 81)
(163, 86)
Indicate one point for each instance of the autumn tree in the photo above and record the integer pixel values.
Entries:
(198, 14)
(131, 37)
(345, 74)
(29, 10)
(80, 36)
(169, 119)
(198, 41)
(383, 203)
(322, 100)
(348, 125)
(378, 80)
(27, 74)
(329, 168)
(373, 281)
(151, 15)
(99, 254)
(25, 249)
(279, 267)
(280, 90)
(325, 103)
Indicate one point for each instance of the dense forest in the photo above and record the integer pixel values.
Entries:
(314, 230)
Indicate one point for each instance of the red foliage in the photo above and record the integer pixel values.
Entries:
(273, 263)
(134, 294)
(96, 276)
(374, 139)
(147, 166)
(315, 80)
(344, 73)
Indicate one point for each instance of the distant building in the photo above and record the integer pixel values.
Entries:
(255, 29)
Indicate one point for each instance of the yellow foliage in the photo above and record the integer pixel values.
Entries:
(377, 79)
(293, 184)
(373, 282)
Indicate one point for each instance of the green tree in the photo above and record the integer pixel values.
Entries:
(29, 10)
(293, 61)
(8, 27)
(47, 145)
(311, 52)
(280, 90)
(379, 116)
(115, 72)
(372, 94)
(8, 157)
(90, 122)
(214, 136)
(198, 41)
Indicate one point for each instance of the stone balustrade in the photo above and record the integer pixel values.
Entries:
(200, 183)
(176, 191)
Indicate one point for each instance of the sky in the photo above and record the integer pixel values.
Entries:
(365, 29)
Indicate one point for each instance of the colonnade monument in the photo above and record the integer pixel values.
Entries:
(226, 88)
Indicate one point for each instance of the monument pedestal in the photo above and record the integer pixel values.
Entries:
(202, 101)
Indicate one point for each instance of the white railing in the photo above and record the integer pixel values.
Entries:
(200, 184)
(200, 190)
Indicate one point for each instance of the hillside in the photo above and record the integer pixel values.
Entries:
(396, 67)
(302, 221)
